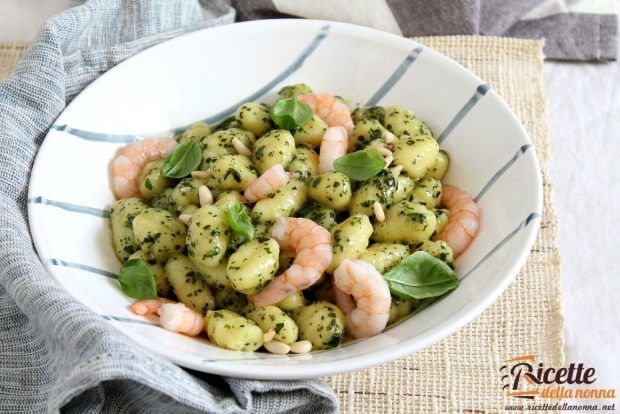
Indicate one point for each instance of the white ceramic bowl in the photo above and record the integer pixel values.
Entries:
(206, 75)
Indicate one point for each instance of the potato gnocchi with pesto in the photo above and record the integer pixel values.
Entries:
(291, 226)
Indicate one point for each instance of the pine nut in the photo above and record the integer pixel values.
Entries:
(268, 336)
(301, 347)
(397, 170)
(388, 137)
(241, 148)
(203, 175)
(277, 347)
(185, 218)
(205, 196)
(379, 214)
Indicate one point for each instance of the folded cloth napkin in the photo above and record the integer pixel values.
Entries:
(54, 352)
(572, 30)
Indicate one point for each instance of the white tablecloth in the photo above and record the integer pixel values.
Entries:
(584, 107)
(584, 120)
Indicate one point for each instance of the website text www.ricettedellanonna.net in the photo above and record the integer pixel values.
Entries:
(560, 406)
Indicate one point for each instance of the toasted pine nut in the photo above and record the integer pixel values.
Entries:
(397, 170)
(388, 160)
(268, 336)
(379, 214)
(277, 347)
(388, 137)
(205, 196)
(241, 148)
(203, 175)
(301, 347)
(185, 218)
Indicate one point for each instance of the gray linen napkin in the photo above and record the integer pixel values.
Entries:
(572, 30)
(55, 353)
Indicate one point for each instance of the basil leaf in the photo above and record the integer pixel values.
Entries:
(136, 280)
(183, 160)
(290, 113)
(360, 165)
(421, 276)
(239, 221)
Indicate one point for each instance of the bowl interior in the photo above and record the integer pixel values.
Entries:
(205, 75)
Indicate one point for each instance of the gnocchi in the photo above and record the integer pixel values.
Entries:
(159, 234)
(275, 147)
(286, 264)
(322, 323)
(406, 222)
(331, 189)
(232, 331)
(253, 265)
(272, 317)
(187, 284)
(207, 236)
(416, 154)
(350, 239)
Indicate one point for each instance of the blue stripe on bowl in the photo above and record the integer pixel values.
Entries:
(287, 72)
(70, 207)
(101, 136)
(128, 320)
(292, 68)
(505, 240)
(502, 170)
(395, 76)
(481, 90)
(58, 262)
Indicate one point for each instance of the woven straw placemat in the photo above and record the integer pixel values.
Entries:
(461, 373)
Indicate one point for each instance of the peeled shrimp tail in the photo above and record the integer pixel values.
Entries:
(148, 306)
(268, 183)
(464, 219)
(176, 317)
(329, 109)
(333, 146)
(370, 291)
(129, 161)
(343, 300)
(312, 244)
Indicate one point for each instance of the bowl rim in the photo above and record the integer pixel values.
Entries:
(343, 365)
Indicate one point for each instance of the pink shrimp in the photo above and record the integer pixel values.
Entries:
(268, 183)
(329, 109)
(313, 247)
(148, 306)
(370, 314)
(464, 219)
(177, 317)
(129, 161)
(173, 316)
(333, 146)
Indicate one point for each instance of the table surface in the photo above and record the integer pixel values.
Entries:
(584, 120)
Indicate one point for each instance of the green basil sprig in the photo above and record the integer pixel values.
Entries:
(136, 280)
(421, 276)
(360, 165)
(289, 113)
(183, 160)
(239, 221)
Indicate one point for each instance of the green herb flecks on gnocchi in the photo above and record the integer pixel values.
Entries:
(290, 226)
